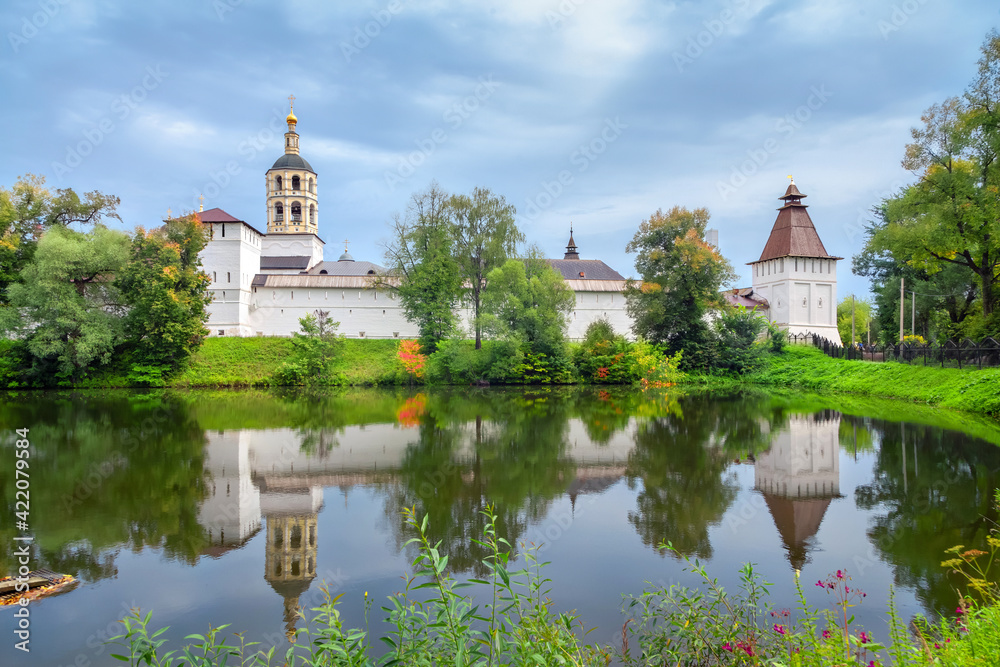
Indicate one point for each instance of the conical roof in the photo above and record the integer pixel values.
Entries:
(793, 233)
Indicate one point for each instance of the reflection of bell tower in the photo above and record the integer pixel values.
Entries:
(798, 477)
(290, 552)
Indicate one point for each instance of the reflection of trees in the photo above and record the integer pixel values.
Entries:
(681, 460)
(925, 481)
(107, 470)
(509, 452)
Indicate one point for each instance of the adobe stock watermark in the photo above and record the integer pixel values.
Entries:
(784, 128)
(860, 225)
(581, 158)
(253, 144)
(563, 11)
(713, 29)
(899, 16)
(31, 25)
(363, 35)
(121, 108)
(223, 7)
(454, 117)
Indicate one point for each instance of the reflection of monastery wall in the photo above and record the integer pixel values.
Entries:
(231, 511)
(265, 472)
(804, 458)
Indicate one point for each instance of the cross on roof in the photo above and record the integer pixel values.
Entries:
(291, 101)
(346, 243)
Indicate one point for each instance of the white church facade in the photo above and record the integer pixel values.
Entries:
(263, 282)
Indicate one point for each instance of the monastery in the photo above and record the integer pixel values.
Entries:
(263, 282)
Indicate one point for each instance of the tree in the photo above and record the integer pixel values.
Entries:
(314, 350)
(28, 209)
(862, 309)
(420, 257)
(67, 310)
(951, 216)
(736, 331)
(529, 300)
(681, 276)
(486, 236)
(166, 292)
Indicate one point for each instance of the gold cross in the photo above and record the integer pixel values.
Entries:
(291, 102)
(346, 243)
(170, 214)
(201, 203)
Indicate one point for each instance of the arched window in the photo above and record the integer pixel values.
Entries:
(312, 185)
(296, 212)
(312, 213)
(279, 212)
(277, 183)
(295, 183)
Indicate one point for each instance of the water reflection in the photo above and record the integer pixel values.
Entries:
(799, 475)
(203, 476)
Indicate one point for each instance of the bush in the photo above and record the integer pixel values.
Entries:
(459, 362)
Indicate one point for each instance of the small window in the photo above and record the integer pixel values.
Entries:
(295, 183)
(222, 332)
(229, 277)
(223, 226)
(323, 272)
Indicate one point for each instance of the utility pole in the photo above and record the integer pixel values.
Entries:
(913, 313)
(852, 320)
(902, 305)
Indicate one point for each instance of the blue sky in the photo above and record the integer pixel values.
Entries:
(584, 111)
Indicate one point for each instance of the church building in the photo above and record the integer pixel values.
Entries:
(264, 281)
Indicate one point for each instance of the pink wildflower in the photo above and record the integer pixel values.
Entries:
(780, 629)
(826, 634)
(864, 637)
(727, 647)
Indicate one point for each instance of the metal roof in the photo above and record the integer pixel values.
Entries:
(325, 281)
(584, 269)
(300, 262)
(596, 285)
(793, 233)
(347, 268)
(292, 161)
(218, 215)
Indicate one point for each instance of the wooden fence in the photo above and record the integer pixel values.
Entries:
(965, 354)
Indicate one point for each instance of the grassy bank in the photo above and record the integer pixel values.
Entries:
(976, 391)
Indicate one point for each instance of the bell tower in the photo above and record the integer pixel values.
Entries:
(291, 183)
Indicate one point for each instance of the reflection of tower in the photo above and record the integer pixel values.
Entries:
(230, 511)
(799, 476)
(290, 552)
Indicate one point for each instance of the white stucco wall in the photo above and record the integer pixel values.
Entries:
(802, 293)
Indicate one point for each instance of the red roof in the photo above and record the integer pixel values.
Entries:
(216, 215)
(793, 233)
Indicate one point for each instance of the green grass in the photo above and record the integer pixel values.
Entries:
(970, 390)
(234, 362)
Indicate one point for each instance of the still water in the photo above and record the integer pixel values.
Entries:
(234, 507)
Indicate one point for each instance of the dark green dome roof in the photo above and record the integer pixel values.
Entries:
(292, 161)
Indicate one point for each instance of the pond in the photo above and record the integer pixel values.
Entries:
(234, 507)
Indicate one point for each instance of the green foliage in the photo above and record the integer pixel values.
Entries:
(166, 293)
(433, 624)
(421, 257)
(28, 209)
(808, 368)
(738, 349)
(459, 362)
(681, 276)
(528, 301)
(313, 352)
(67, 310)
(943, 232)
(862, 309)
(486, 236)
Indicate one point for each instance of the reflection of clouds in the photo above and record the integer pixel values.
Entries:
(798, 477)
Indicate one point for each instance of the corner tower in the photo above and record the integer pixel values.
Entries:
(292, 206)
(796, 274)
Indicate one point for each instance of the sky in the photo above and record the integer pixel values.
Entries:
(585, 112)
